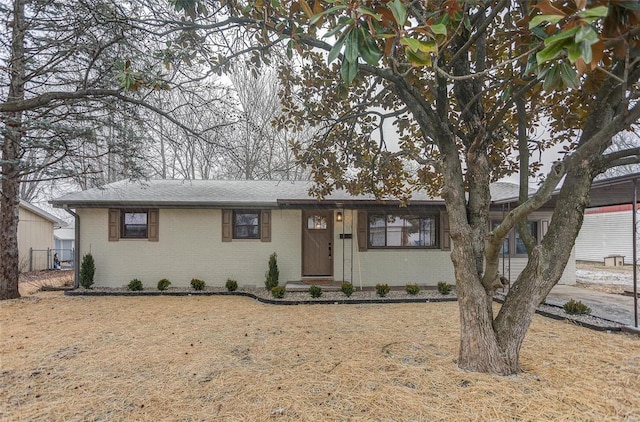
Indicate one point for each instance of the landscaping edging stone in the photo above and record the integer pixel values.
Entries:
(285, 301)
(557, 312)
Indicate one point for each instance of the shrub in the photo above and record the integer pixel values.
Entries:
(576, 308)
(347, 289)
(163, 284)
(87, 270)
(444, 288)
(382, 289)
(273, 274)
(315, 291)
(197, 284)
(231, 285)
(278, 292)
(135, 285)
(412, 289)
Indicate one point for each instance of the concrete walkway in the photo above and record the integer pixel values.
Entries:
(613, 307)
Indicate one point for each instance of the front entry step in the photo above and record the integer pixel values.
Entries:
(303, 285)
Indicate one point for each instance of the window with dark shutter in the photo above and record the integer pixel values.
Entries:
(363, 239)
(227, 226)
(265, 226)
(445, 242)
(114, 225)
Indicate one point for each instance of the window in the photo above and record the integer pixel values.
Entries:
(402, 231)
(505, 243)
(317, 222)
(521, 249)
(514, 238)
(246, 225)
(134, 224)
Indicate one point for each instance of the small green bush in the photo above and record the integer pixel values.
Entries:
(576, 308)
(444, 288)
(315, 291)
(382, 289)
(135, 285)
(278, 292)
(163, 284)
(273, 274)
(197, 284)
(87, 270)
(412, 289)
(347, 289)
(231, 285)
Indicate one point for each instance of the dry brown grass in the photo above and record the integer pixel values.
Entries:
(32, 282)
(232, 358)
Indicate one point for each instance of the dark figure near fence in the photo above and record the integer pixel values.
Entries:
(56, 262)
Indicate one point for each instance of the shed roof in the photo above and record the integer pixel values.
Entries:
(231, 193)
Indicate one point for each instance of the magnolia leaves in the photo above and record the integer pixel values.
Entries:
(367, 34)
(577, 41)
(133, 80)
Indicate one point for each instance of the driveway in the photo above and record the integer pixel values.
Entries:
(613, 307)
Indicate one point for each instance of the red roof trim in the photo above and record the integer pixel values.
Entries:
(611, 208)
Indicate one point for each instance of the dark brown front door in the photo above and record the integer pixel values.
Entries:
(317, 243)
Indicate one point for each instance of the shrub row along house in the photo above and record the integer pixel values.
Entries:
(219, 230)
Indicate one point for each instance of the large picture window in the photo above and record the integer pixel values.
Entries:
(402, 231)
(134, 224)
(246, 224)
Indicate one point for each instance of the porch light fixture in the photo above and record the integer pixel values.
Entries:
(339, 216)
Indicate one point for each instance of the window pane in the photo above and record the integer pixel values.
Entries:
(505, 243)
(413, 234)
(247, 219)
(242, 231)
(395, 231)
(428, 232)
(376, 230)
(533, 229)
(246, 225)
(134, 225)
(317, 222)
(137, 218)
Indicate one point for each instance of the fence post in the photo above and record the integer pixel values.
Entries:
(49, 266)
(30, 259)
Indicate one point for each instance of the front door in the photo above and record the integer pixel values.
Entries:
(317, 243)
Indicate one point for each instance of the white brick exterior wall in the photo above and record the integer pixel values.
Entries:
(190, 246)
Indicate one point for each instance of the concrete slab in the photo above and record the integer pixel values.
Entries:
(609, 306)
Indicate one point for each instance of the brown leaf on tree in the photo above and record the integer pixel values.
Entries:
(547, 8)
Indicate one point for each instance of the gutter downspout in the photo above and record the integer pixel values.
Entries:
(76, 251)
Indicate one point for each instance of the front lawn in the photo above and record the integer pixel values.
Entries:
(232, 358)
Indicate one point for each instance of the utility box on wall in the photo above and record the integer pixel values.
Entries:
(614, 261)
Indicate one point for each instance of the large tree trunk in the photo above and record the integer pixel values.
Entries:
(9, 203)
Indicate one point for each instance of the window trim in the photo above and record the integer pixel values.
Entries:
(233, 224)
(123, 213)
(115, 226)
(227, 225)
(422, 215)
